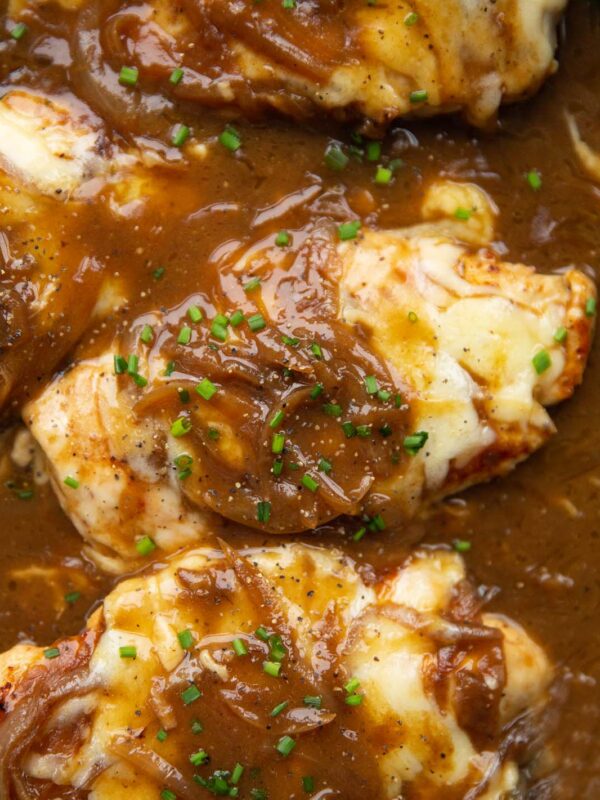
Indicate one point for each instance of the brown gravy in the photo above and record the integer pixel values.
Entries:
(535, 535)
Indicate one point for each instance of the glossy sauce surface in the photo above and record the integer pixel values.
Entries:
(534, 535)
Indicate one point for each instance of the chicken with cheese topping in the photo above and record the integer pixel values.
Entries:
(366, 377)
(351, 58)
(291, 646)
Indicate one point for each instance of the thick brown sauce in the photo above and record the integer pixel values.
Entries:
(536, 534)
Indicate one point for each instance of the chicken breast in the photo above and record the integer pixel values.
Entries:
(367, 377)
(239, 672)
(378, 60)
(55, 157)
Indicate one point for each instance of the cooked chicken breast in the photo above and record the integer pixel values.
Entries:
(379, 60)
(370, 376)
(230, 670)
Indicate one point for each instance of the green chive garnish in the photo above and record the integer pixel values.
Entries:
(285, 745)
(71, 482)
(51, 652)
(349, 230)
(414, 442)
(128, 76)
(309, 483)
(128, 651)
(206, 389)
(145, 545)
(541, 361)
(191, 694)
(263, 511)
(239, 647)
(186, 639)
(181, 427)
(279, 708)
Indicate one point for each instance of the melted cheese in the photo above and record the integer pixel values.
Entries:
(464, 55)
(390, 657)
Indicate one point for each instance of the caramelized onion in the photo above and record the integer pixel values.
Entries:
(37, 692)
(151, 764)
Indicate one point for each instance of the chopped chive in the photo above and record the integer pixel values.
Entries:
(128, 76)
(72, 597)
(325, 466)
(206, 389)
(310, 483)
(253, 283)
(560, 335)
(198, 758)
(181, 427)
(180, 135)
(279, 708)
(185, 335)
(191, 694)
(186, 639)
(316, 350)
(373, 151)
(385, 430)
(277, 419)
(363, 431)
(541, 361)
(590, 306)
(256, 322)
(239, 647)
(414, 442)
(461, 545)
(120, 365)
(184, 395)
(313, 701)
(19, 30)
(71, 482)
(285, 745)
(464, 214)
(383, 395)
(236, 774)
(167, 794)
(412, 317)
(176, 76)
(316, 391)
(262, 633)
(219, 331)
(418, 96)
(371, 385)
(278, 443)
(534, 179)
(377, 523)
(359, 534)
(277, 467)
(354, 700)
(159, 273)
(277, 649)
(332, 409)
(162, 735)
(145, 545)
(195, 314)
(349, 230)
(230, 139)
(132, 364)
(139, 380)
(263, 511)
(237, 318)
(128, 651)
(272, 668)
(169, 369)
(197, 727)
(147, 334)
(335, 158)
(51, 652)
(411, 19)
(292, 341)
(383, 175)
(349, 430)
(282, 239)
(308, 784)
